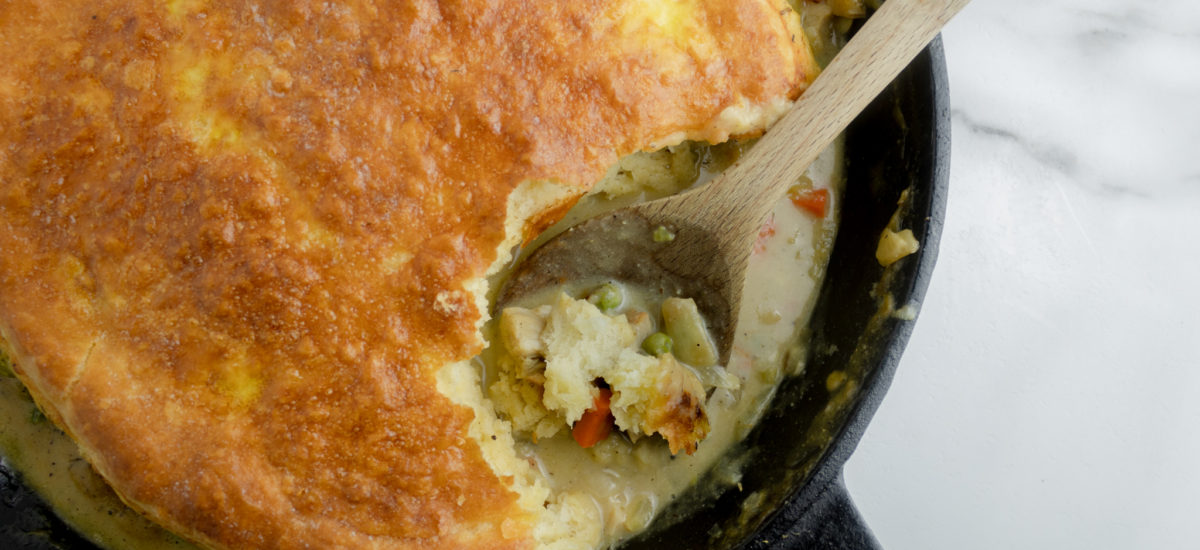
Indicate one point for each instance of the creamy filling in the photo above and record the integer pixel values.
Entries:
(626, 479)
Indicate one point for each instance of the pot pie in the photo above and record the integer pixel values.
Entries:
(245, 252)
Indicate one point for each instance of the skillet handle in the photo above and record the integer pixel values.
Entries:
(840, 525)
(831, 523)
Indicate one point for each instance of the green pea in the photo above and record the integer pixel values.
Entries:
(607, 297)
(662, 234)
(657, 344)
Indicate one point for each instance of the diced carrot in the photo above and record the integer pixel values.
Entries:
(596, 423)
(813, 201)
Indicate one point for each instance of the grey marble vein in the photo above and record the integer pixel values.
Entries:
(1049, 155)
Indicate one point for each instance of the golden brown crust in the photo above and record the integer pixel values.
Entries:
(234, 237)
(677, 412)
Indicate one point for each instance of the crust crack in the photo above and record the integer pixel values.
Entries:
(79, 367)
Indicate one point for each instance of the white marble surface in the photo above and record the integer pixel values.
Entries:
(1050, 395)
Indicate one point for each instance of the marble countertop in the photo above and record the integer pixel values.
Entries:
(1050, 395)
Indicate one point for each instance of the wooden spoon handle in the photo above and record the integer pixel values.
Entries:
(887, 42)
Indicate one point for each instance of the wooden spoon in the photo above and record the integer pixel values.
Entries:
(715, 225)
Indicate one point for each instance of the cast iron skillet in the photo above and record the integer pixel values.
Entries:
(792, 494)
